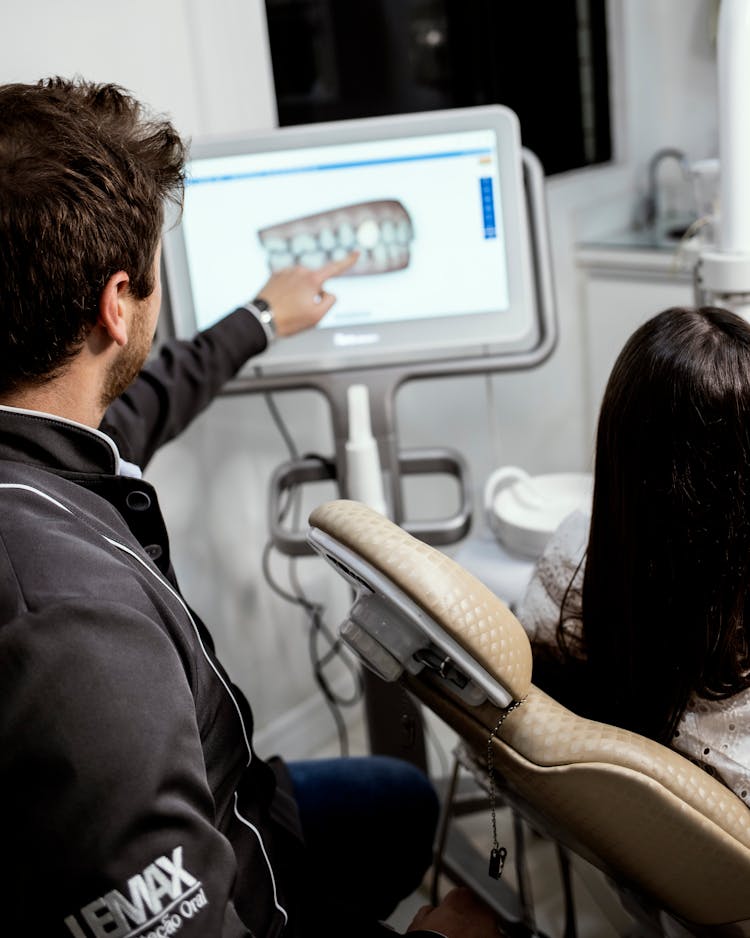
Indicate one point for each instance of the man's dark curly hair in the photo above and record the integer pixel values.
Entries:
(84, 174)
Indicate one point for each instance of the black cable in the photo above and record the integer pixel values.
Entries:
(335, 643)
(281, 425)
(318, 629)
(314, 611)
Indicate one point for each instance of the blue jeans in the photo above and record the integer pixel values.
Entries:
(369, 825)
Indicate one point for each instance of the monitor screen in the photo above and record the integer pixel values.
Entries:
(433, 202)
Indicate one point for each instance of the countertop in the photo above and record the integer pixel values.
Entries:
(660, 249)
(666, 236)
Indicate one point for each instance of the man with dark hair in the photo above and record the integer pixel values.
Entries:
(133, 803)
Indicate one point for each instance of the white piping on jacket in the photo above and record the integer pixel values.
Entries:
(176, 595)
(155, 575)
(255, 830)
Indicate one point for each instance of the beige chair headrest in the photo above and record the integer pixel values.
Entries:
(456, 600)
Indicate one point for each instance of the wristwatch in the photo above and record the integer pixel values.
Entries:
(262, 311)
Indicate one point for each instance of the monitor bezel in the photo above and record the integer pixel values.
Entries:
(404, 340)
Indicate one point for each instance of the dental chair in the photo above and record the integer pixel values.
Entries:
(674, 841)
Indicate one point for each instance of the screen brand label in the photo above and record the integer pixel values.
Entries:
(348, 339)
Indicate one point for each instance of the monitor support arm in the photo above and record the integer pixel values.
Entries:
(383, 383)
(395, 464)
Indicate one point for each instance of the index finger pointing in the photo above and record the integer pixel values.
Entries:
(335, 268)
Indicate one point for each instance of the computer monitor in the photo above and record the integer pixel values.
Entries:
(434, 202)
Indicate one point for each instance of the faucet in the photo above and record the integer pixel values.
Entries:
(651, 205)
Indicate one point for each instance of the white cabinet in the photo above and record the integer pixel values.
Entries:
(621, 289)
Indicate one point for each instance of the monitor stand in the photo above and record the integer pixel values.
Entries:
(393, 719)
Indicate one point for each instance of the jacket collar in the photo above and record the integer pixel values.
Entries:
(58, 444)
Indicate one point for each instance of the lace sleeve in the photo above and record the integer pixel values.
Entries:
(558, 572)
(714, 733)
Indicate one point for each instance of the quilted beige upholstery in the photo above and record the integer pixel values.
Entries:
(455, 599)
(638, 810)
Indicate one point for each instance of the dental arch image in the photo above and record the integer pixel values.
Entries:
(382, 231)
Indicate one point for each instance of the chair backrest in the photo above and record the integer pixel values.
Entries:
(651, 819)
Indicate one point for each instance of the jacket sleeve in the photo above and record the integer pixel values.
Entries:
(180, 382)
(107, 816)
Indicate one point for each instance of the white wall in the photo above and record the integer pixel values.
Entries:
(187, 58)
(207, 64)
(669, 65)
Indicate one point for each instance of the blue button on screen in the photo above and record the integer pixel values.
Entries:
(488, 206)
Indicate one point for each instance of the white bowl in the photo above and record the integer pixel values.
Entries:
(524, 511)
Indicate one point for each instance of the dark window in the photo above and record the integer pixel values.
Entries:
(545, 59)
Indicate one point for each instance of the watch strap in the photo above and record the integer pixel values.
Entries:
(261, 310)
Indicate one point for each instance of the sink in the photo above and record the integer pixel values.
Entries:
(678, 232)
(663, 236)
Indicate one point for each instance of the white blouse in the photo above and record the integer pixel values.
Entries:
(714, 733)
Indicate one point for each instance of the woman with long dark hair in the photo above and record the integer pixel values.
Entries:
(649, 629)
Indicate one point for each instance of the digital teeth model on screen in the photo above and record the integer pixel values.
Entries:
(382, 231)
(433, 202)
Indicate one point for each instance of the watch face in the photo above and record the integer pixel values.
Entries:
(265, 315)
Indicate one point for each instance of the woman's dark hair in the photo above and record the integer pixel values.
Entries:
(84, 173)
(666, 590)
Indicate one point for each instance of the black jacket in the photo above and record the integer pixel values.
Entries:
(131, 802)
